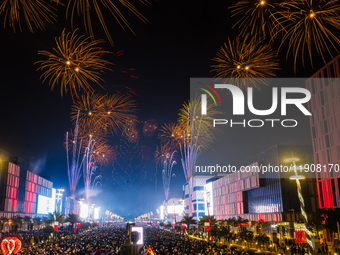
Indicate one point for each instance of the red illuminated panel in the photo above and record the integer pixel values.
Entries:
(300, 236)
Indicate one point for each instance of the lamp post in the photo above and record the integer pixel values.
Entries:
(80, 202)
(297, 178)
(59, 194)
(92, 210)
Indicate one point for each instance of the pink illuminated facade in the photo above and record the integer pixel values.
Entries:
(325, 129)
(19, 188)
(229, 199)
(35, 185)
(9, 178)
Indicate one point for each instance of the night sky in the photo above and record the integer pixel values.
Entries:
(179, 43)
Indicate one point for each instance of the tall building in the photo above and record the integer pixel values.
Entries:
(194, 196)
(31, 186)
(325, 129)
(270, 196)
(228, 193)
(171, 210)
(9, 186)
(20, 188)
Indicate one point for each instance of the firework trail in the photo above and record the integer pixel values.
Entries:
(308, 27)
(168, 163)
(89, 167)
(83, 7)
(246, 57)
(74, 167)
(190, 148)
(35, 13)
(74, 63)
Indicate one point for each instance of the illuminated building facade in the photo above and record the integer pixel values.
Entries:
(9, 185)
(20, 188)
(265, 197)
(325, 130)
(228, 193)
(194, 196)
(171, 209)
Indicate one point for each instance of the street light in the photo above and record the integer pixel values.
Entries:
(92, 209)
(297, 178)
(80, 202)
(59, 194)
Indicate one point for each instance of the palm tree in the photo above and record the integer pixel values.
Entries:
(17, 222)
(188, 220)
(3, 220)
(56, 216)
(204, 219)
(73, 218)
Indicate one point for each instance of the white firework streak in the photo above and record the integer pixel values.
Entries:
(89, 169)
(73, 171)
(168, 163)
(190, 148)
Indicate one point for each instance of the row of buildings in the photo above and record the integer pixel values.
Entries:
(273, 197)
(24, 193)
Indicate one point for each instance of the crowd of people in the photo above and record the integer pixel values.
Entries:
(93, 241)
(166, 243)
(111, 240)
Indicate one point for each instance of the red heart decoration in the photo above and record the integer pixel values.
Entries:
(10, 245)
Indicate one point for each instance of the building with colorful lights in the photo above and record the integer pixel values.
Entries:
(194, 196)
(171, 210)
(21, 189)
(265, 197)
(325, 129)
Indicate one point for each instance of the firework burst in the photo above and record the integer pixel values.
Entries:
(168, 164)
(74, 63)
(132, 134)
(255, 17)
(245, 58)
(35, 13)
(170, 135)
(150, 127)
(104, 112)
(162, 152)
(194, 125)
(309, 26)
(102, 152)
(74, 162)
(83, 7)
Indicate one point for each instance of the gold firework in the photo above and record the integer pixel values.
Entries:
(162, 153)
(35, 13)
(245, 58)
(104, 112)
(170, 135)
(74, 63)
(198, 128)
(256, 17)
(83, 7)
(102, 152)
(132, 134)
(149, 127)
(308, 26)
